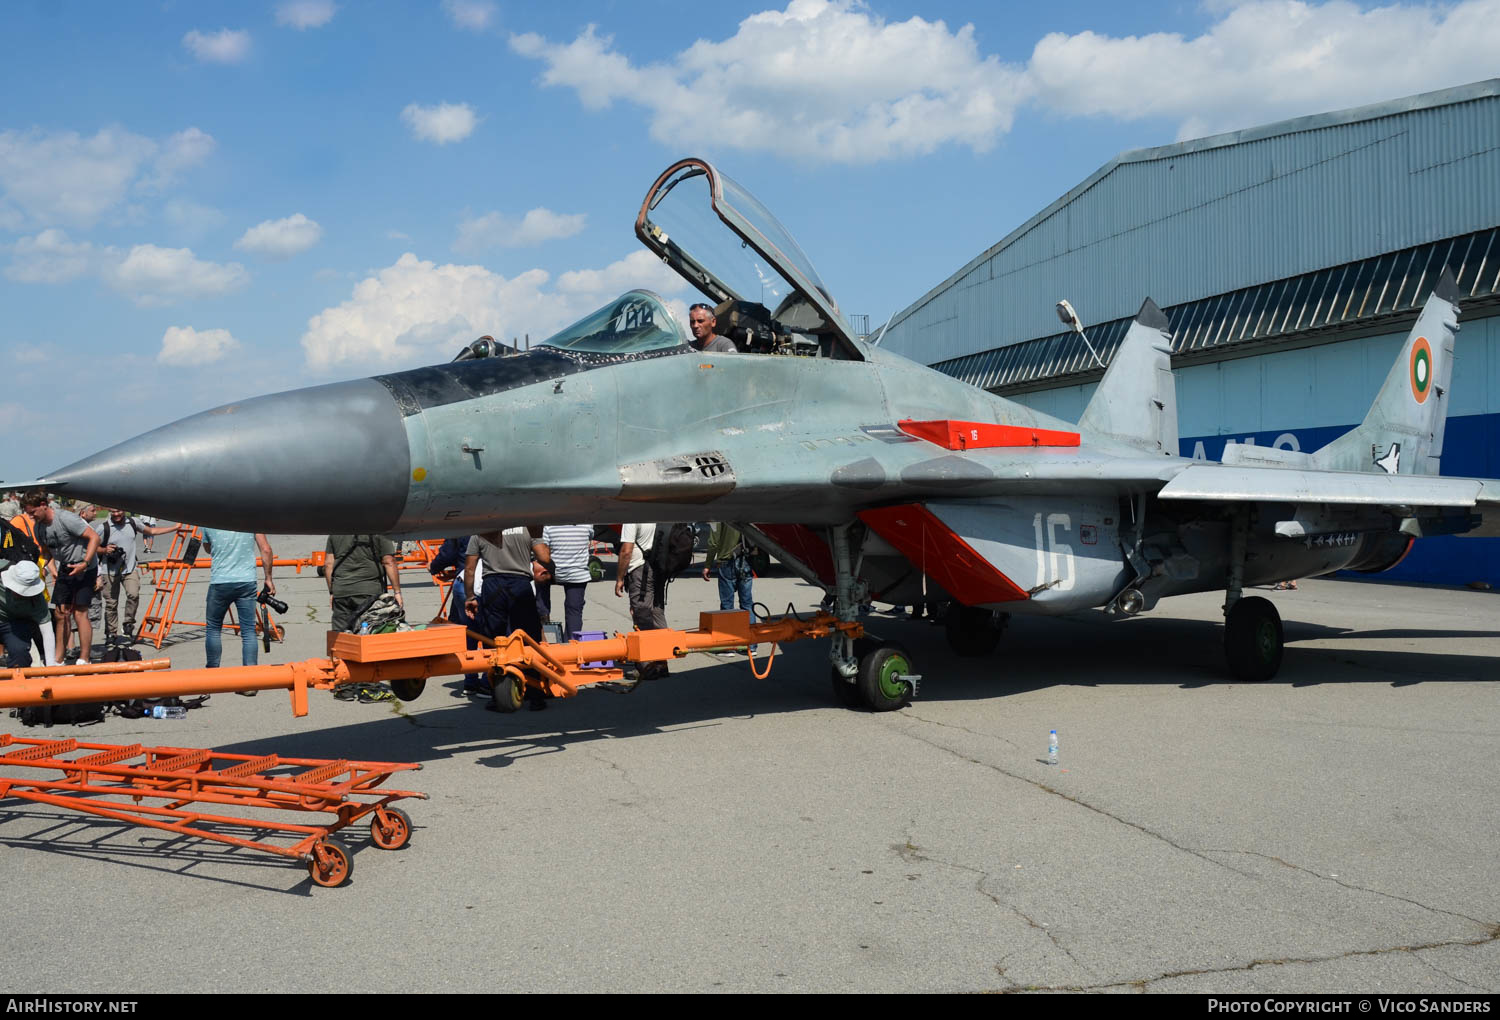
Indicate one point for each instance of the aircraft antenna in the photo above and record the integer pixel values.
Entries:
(881, 335)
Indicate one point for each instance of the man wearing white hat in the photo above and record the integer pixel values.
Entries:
(24, 619)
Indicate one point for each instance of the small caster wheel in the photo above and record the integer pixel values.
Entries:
(331, 865)
(409, 688)
(509, 691)
(394, 832)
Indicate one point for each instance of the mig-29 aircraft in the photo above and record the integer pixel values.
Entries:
(869, 475)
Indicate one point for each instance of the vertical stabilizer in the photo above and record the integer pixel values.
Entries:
(1136, 402)
(1403, 433)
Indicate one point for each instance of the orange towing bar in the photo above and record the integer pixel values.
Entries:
(406, 659)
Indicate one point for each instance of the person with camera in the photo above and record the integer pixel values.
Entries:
(231, 581)
(119, 538)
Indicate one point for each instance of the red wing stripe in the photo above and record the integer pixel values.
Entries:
(935, 549)
(975, 435)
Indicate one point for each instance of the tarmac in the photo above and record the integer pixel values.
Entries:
(1331, 830)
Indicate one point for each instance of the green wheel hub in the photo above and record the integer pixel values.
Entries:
(891, 671)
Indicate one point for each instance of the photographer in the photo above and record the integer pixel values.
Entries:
(119, 537)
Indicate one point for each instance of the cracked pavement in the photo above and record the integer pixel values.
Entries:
(1331, 830)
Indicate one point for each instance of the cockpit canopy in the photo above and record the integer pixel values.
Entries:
(634, 323)
(722, 240)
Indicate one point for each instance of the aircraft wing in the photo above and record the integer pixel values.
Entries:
(1231, 483)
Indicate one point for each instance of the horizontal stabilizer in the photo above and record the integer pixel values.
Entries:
(1221, 483)
(1136, 402)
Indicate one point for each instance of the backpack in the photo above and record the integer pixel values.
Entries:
(672, 549)
(16, 545)
(78, 714)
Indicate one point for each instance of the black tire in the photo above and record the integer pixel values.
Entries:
(1253, 640)
(408, 688)
(596, 569)
(508, 692)
(878, 687)
(973, 632)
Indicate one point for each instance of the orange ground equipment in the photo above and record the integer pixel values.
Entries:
(172, 573)
(115, 781)
(406, 659)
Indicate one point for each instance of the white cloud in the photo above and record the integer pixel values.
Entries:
(184, 345)
(50, 257)
(496, 230)
(444, 123)
(62, 177)
(281, 239)
(474, 15)
(821, 80)
(226, 46)
(152, 276)
(305, 14)
(180, 152)
(416, 312)
(1268, 60)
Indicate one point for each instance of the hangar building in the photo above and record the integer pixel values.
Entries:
(1290, 259)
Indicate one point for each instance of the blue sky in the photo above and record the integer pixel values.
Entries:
(203, 202)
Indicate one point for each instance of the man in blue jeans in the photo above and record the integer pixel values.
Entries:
(232, 581)
(729, 558)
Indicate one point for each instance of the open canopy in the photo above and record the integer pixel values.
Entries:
(723, 241)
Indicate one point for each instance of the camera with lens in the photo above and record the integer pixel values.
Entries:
(114, 561)
(271, 602)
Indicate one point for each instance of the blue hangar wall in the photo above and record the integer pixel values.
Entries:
(1290, 259)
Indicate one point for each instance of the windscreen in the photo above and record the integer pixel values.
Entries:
(635, 322)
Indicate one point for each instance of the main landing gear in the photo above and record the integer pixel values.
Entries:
(1253, 638)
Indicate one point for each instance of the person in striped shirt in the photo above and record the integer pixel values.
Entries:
(570, 568)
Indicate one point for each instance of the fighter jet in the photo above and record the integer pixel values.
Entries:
(878, 479)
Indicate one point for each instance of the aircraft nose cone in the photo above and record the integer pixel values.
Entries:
(329, 459)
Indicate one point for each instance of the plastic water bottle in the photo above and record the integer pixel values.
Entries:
(168, 712)
(364, 627)
(1052, 747)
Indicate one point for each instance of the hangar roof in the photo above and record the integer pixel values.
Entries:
(1209, 216)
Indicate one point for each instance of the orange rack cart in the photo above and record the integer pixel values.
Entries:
(168, 787)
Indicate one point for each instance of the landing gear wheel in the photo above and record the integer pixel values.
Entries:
(974, 632)
(1253, 639)
(509, 691)
(331, 864)
(393, 835)
(408, 688)
(881, 686)
(596, 569)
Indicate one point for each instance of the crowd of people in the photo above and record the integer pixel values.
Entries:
(58, 560)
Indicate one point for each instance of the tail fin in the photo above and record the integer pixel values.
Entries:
(1136, 402)
(1403, 433)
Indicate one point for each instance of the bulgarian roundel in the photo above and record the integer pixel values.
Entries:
(1421, 369)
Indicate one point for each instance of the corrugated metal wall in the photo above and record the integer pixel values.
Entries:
(1187, 221)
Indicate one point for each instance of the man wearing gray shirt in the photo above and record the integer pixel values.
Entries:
(702, 322)
(73, 545)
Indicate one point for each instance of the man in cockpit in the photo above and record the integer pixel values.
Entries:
(701, 321)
